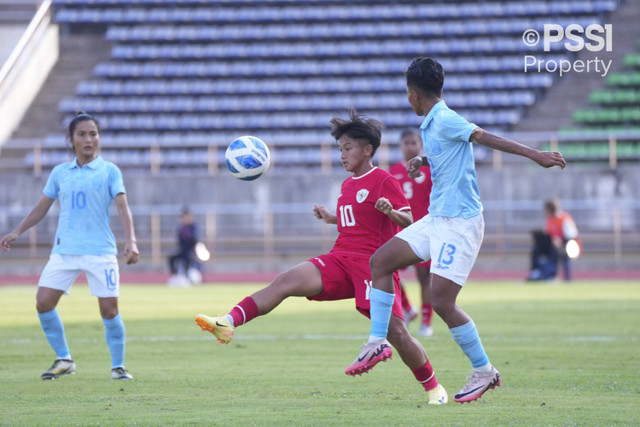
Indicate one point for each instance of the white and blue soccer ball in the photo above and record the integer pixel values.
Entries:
(247, 158)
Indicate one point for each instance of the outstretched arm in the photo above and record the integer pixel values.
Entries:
(34, 217)
(545, 159)
(131, 253)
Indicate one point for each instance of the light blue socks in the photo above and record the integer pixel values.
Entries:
(114, 332)
(54, 331)
(466, 336)
(381, 305)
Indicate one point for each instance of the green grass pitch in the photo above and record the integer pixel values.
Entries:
(568, 355)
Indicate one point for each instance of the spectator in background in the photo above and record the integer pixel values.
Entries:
(184, 260)
(544, 257)
(563, 232)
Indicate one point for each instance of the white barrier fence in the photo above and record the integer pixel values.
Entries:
(251, 237)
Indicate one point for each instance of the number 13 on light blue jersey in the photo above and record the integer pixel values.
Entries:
(445, 259)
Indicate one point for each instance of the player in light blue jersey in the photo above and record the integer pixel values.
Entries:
(83, 242)
(451, 234)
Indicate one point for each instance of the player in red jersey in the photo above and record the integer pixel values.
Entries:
(371, 208)
(417, 192)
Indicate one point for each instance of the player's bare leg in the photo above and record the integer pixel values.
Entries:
(484, 377)
(424, 279)
(415, 357)
(47, 299)
(444, 293)
(391, 256)
(303, 280)
(411, 352)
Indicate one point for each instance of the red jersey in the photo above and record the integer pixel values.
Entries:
(362, 227)
(417, 191)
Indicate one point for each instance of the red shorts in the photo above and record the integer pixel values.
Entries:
(347, 276)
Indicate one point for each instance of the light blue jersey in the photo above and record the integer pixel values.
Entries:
(85, 194)
(445, 136)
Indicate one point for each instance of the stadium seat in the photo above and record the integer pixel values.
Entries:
(198, 68)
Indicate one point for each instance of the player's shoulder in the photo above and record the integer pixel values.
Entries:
(109, 166)
(397, 168)
(62, 167)
(445, 113)
(380, 171)
(398, 165)
(105, 162)
(565, 216)
(371, 179)
(380, 175)
(373, 173)
(384, 179)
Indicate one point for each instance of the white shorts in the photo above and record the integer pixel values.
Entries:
(102, 273)
(452, 244)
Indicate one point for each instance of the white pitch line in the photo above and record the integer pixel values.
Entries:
(308, 337)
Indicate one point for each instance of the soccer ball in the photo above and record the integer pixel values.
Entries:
(247, 158)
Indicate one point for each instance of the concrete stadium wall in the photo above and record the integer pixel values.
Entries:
(514, 188)
(244, 241)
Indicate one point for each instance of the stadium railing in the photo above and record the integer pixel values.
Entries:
(266, 237)
(148, 152)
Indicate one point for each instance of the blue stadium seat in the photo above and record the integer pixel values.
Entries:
(200, 71)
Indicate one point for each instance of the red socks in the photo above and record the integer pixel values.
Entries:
(245, 311)
(427, 312)
(426, 376)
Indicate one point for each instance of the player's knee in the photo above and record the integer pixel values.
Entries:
(44, 306)
(280, 283)
(287, 284)
(108, 310)
(378, 263)
(110, 315)
(442, 306)
(437, 303)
